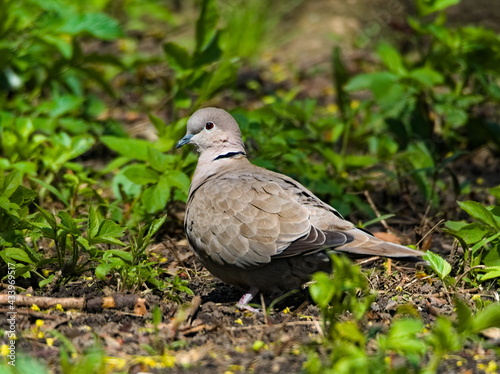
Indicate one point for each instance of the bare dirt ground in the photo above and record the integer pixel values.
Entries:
(213, 335)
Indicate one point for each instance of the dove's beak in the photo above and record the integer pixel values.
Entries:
(185, 140)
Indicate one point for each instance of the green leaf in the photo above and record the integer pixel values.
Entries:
(141, 175)
(370, 81)
(94, 222)
(65, 104)
(46, 281)
(178, 57)
(64, 46)
(126, 256)
(483, 242)
(479, 212)
(69, 223)
(426, 77)
(14, 255)
(156, 225)
(102, 270)
(49, 217)
(155, 198)
(391, 58)
(206, 24)
(110, 228)
(455, 225)
(464, 315)
(495, 191)
(10, 183)
(322, 291)
(426, 7)
(131, 148)
(96, 24)
(486, 318)
(359, 160)
(490, 272)
(209, 54)
(438, 264)
(473, 232)
(52, 189)
(176, 178)
(159, 161)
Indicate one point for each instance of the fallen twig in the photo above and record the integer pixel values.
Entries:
(95, 304)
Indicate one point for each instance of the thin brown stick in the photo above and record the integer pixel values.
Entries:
(429, 232)
(377, 213)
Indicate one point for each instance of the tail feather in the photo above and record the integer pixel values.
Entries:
(365, 244)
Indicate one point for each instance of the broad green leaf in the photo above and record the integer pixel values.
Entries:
(10, 183)
(479, 212)
(369, 81)
(141, 175)
(495, 191)
(210, 53)
(64, 45)
(464, 315)
(96, 24)
(158, 123)
(438, 264)
(426, 77)
(131, 148)
(110, 228)
(177, 56)
(46, 281)
(102, 270)
(68, 222)
(486, 318)
(426, 7)
(158, 160)
(490, 273)
(49, 217)
(94, 222)
(321, 291)
(15, 254)
(392, 58)
(491, 257)
(206, 24)
(350, 331)
(473, 232)
(176, 178)
(155, 198)
(126, 256)
(455, 225)
(359, 160)
(65, 104)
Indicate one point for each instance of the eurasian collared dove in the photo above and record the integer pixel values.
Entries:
(257, 229)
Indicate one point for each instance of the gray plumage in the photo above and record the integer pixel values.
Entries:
(257, 229)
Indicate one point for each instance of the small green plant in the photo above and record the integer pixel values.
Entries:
(408, 346)
(134, 267)
(480, 239)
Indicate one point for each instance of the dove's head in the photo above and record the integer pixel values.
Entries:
(213, 129)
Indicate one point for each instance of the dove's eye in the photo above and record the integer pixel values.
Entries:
(209, 125)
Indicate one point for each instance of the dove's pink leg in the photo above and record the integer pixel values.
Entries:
(245, 299)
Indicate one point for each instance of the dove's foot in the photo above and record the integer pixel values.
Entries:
(246, 298)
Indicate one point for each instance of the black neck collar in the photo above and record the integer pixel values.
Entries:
(230, 155)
